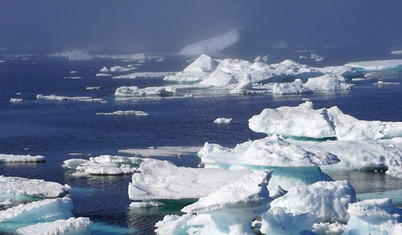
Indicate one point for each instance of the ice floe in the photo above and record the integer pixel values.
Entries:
(72, 225)
(223, 120)
(142, 204)
(163, 151)
(144, 75)
(163, 180)
(328, 200)
(304, 121)
(133, 91)
(396, 52)
(212, 45)
(376, 65)
(12, 158)
(374, 216)
(16, 100)
(124, 112)
(103, 75)
(227, 210)
(103, 165)
(68, 98)
(19, 189)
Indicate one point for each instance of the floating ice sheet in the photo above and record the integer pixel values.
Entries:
(12, 158)
(223, 120)
(77, 226)
(125, 112)
(133, 91)
(68, 98)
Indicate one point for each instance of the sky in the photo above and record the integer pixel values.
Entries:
(136, 26)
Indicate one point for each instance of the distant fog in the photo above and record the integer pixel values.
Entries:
(168, 26)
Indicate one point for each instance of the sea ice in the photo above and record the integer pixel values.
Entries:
(68, 98)
(396, 52)
(164, 151)
(212, 45)
(163, 180)
(374, 216)
(12, 158)
(16, 188)
(329, 228)
(145, 204)
(304, 121)
(71, 226)
(328, 200)
(133, 91)
(376, 65)
(16, 100)
(74, 55)
(125, 112)
(144, 75)
(103, 165)
(223, 120)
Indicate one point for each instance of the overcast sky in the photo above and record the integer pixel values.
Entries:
(169, 25)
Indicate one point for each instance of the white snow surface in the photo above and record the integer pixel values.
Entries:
(223, 120)
(271, 151)
(32, 187)
(304, 121)
(64, 226)
(212, 45)
(103, 165)
(8, 158)
(163, 151)
(376, 65)
(329, 228)
(328, 200)
(373, 216)
(124, 112)
(163, 180)
(133, 91)
(187, 224)
(38, 211)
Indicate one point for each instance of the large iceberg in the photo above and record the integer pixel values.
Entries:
(328, 200)
(304, 121)
(74, 55)
(374, 216)
(70, 226)
(163, 180)
(212, 45)
(103, 165)
(377, 65)
(228, 210)
(12, 158)
(22, 189)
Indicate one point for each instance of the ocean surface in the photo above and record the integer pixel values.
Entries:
(60, 130)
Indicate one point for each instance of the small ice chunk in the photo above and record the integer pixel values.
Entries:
(163, 180)
(72, 225)
(328, 200)
(104, 70)
(73, 72)
(8, 158)
(90, 88)
(133, 91)
(16, 100)
(396, 52)
(103, 75)
(125, 112)
(146, 204)
(374, 216)
(68, 98)
(223, 120)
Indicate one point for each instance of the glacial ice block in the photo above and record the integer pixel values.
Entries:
(304, 121)
(163, 180)
(212, 45)
(328, 200)
(11, 158)
(103, 165)
(71, 226)
(17, 187)
(374, 216)
(38, 211)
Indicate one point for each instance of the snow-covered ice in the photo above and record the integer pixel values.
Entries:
(329, 228)
(16, 188)
(223, 120)
(103, 165)
(163, 151)
(395, 171)
(376, 65)
(68, 98)
(143, 204)
(133, 91)
(328, 200)
(124, 112)
(12, 158)
(374, 216)
(212, 45)
(70, 226)
(163, 180)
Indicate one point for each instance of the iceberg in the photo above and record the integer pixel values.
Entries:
(103, 165)
(12, 158)
(377, 65)
(68, 98)
(103, 75)
(228, 210)
(328, 200)
(212, 45)
(396, 52)
(125, 112)
(163, 151)
(20, 189)
(163, 180)
(77, 226)
(395, 171)
(16, 100)
(144, 75)
(223, 120)
(374, 216)
(74, 55)
(304, 121)
(133, 91)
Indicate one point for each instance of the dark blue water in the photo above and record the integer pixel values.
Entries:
(55, 129)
